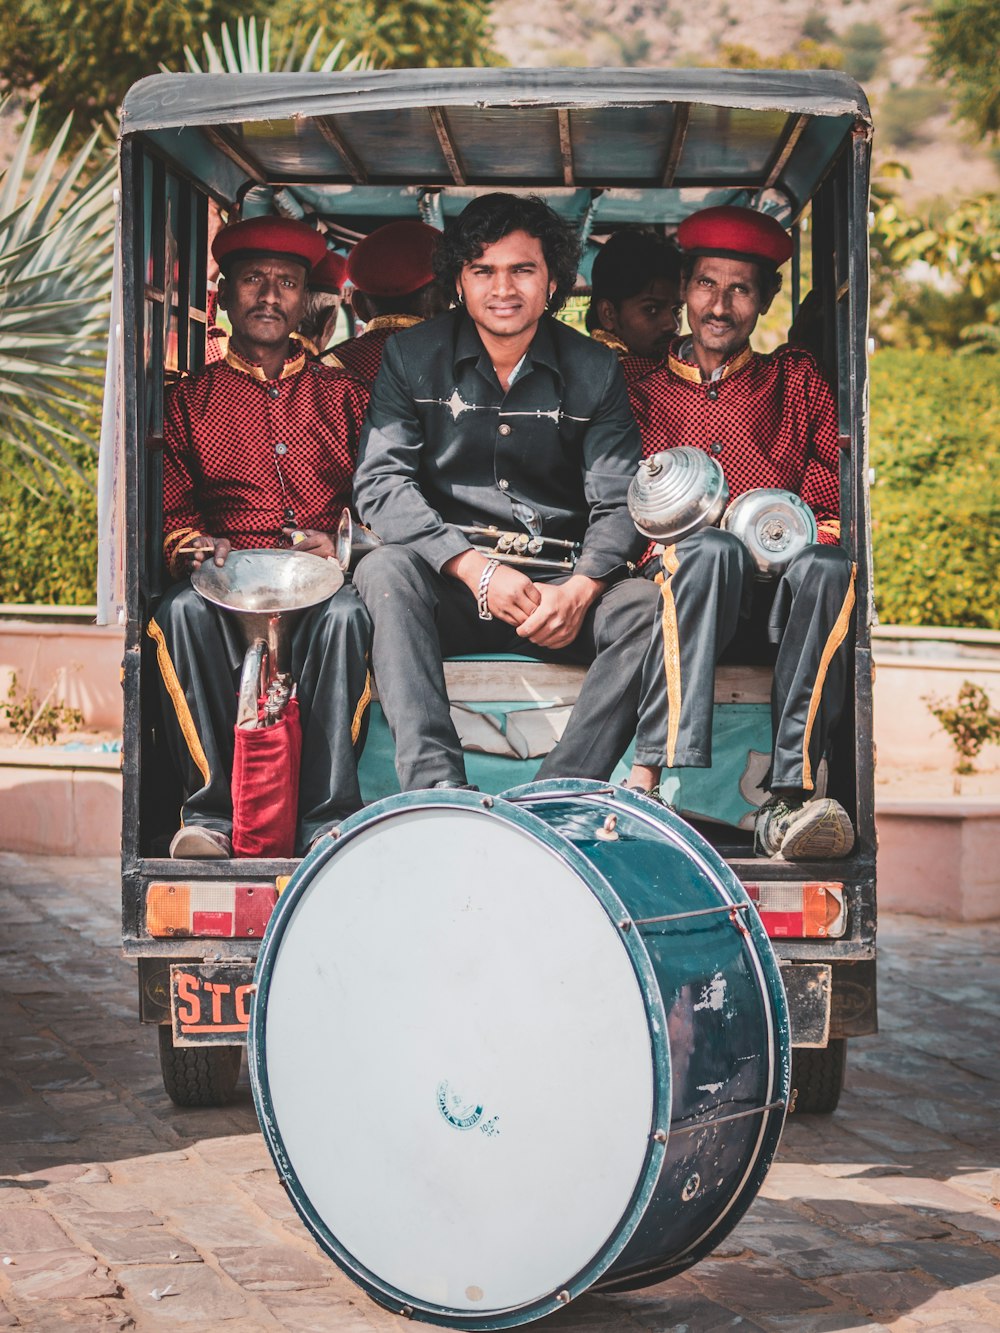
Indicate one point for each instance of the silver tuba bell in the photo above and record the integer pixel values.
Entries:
(266, 593)
(676, 492)
(773, 525)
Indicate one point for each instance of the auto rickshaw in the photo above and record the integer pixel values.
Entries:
(606, 148)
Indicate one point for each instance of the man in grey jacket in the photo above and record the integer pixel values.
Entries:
(498, 414)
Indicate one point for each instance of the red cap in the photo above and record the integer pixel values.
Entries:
(329, 274)
(737, 233)
(394, 260)
(280, 238)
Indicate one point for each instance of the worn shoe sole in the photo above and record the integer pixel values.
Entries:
(820, 830)
(195, 843)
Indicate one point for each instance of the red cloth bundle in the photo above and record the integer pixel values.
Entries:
(266, 786)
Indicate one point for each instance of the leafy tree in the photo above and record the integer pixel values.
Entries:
(805, 54)
(970, 723)
(965, 50)
(56, 229)
(86, 54)
(403, 34)
(863, 44)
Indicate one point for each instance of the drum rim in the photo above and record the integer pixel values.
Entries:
(650, 1171)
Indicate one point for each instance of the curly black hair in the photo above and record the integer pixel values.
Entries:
(489, 219)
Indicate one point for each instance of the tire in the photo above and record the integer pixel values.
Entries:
(818, 1077)
(198, 1075)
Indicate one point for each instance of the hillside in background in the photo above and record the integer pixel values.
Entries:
(880, 42)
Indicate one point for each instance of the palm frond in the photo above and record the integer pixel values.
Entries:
(56, 232)
(252, 51)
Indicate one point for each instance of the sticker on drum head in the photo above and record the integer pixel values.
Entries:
(455, 1109)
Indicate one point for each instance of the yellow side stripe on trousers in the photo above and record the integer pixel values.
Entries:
(184, 719)
(671, 651)
(835, 639)
(359, 712)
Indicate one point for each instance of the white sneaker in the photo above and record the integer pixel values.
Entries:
(195, 842)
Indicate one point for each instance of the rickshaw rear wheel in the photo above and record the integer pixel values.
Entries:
(818, 1077)
(198, 1075)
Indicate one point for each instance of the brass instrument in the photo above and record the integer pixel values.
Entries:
(354, 540)
(522, 548)
(266, 593)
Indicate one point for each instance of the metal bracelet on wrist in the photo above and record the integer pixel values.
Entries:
(482, 595)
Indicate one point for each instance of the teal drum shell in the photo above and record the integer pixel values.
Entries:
(727, 1020)
(704, 1119)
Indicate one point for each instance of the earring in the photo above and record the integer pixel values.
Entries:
(460, 296)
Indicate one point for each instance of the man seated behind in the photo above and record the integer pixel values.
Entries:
(323, 302)
(497, 413)
(259, 453)
(635, 302)
(392, 272)
(771, 421)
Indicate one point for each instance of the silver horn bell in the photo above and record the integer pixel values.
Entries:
(773, 525)
(266, 593)
(675, 493)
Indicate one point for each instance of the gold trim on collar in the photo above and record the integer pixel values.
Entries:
(611, 340)
(392, 322)
(687, 370)
(292, 365)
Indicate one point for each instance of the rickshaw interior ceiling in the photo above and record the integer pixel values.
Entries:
(360, 149)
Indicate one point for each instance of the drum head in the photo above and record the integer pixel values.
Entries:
(457, 1059)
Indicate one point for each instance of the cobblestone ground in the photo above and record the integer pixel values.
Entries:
(119, 1211)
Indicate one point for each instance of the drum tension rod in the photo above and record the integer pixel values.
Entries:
(732, 909)
(721, 1119)
(528, 797)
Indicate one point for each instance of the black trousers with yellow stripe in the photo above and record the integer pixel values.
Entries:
(710, 603)
(199, 654)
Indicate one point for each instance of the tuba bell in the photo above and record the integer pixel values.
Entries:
(266, 593)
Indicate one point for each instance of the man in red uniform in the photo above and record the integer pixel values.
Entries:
(259, 452)
(771, 421)
(392, 273)
(635, 302)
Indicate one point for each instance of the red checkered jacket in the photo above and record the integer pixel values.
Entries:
(242, 451)
(769, 419)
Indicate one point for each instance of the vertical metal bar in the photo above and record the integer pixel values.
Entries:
(132, 340)
(796, 269)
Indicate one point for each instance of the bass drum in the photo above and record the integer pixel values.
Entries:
(506, 1049)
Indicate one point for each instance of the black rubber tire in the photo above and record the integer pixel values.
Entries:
(818, 1077)
(198, 1075)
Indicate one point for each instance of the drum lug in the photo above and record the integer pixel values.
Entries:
(660, 1136)
(487, 802)
(606, 832)
(625, 925)
(563, 1297)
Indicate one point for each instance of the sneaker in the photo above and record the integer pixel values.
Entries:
(652, 793)
(802, 830)
(195, 842)
(446, 784)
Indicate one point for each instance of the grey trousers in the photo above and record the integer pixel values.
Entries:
(200, 653)
(710, 602)
(421, 617)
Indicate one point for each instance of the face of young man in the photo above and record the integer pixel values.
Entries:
(506, 288)
(647, 321)
(265, 299)
(724, 302)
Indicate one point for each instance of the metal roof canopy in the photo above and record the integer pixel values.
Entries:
(604, 146)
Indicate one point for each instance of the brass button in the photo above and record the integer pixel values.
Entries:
(505, 429)
(503, 483)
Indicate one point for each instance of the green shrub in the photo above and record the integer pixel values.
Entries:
(935, 447)
(902, 113)
(49, 541)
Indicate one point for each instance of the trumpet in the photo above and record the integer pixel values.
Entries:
(522, 548)
(354, 540)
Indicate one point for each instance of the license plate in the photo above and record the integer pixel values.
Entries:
(210, 1003)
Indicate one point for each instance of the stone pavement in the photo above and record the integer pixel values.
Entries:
(119, 1211)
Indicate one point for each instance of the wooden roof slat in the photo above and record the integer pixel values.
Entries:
(336, 140)
(450, 152)
(566, 147)
(792, 134)
(236, 154)
(682, 116)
